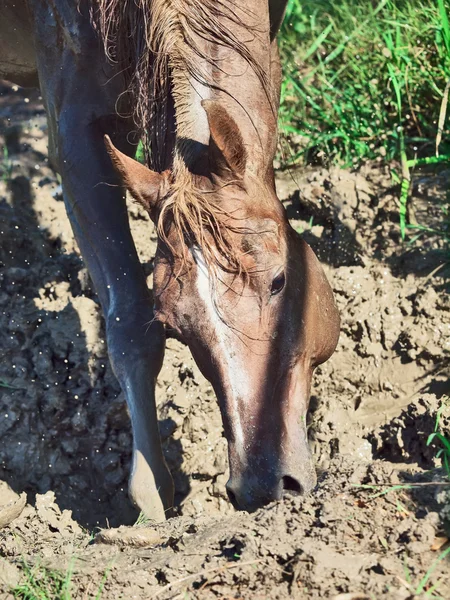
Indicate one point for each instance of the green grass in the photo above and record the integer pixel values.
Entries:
(5, 166)
(438, 437)
(142, 520)
(364, 80)
(41, 583)
(368, 81)
(425, 586)
(4, 384)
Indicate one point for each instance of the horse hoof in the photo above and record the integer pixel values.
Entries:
(152, 495)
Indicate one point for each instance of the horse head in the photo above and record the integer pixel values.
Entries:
(249, 298)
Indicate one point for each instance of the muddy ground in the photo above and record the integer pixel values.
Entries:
(65, 432)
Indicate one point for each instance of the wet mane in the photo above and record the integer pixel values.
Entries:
(157, 46)
(199, 221)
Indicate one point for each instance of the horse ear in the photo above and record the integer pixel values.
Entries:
(226, 145)
(146, 186)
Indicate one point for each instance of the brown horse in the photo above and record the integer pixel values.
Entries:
(199, 81)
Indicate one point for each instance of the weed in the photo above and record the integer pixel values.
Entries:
(308, 228)
(3, 384)
(5, 166)
(142, 520)
(40, 583)
(423, 585)
(102, 582)
(437, 435)
(140, 155)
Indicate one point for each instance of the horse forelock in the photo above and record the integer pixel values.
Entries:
(190, 218)
(160, 46)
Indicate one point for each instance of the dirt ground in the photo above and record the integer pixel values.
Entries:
(65, 432)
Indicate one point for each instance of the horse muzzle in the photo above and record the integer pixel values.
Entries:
(252, 488)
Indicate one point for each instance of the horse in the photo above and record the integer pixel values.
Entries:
(198, 81)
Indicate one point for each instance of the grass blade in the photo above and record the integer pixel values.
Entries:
(319, 41)
(431, 570)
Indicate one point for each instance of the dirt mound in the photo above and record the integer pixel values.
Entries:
(65, 430)
(404, 438)
(339, 541)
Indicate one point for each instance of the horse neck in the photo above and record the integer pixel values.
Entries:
(237, 74)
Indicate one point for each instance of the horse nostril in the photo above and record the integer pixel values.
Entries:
(291, 485)
(232, 498)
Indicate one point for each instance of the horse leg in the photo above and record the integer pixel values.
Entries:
(80, 95)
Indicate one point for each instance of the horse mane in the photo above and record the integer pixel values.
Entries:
(152, 42)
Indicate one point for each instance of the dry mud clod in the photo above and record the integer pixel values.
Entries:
(137, 537)
(11, 504)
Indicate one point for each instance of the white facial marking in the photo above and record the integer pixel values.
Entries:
(198, 116)
(192, 121)
(229, 345)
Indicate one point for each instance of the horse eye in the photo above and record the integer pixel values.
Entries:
(277, 284)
